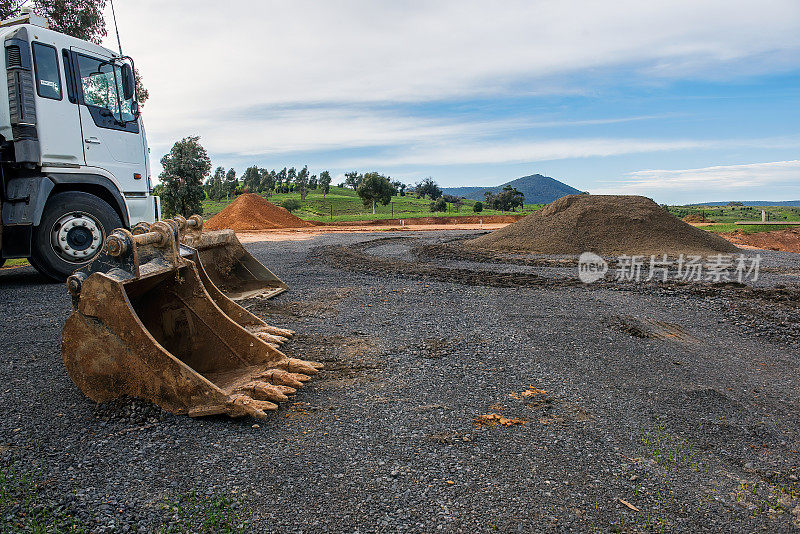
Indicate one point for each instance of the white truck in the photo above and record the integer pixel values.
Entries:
(74, 161)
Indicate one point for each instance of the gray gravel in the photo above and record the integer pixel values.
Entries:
(681, 401)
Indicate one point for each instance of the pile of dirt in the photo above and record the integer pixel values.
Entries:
(785, 240)
(252, 212)
(606, 225)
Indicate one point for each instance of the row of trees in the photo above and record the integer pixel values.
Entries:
(374, 187)
(224, 183)
(187, 165)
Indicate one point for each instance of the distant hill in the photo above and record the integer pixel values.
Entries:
(537, 189)
(752, 203)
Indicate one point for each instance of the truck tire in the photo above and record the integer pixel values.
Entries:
(72, 231)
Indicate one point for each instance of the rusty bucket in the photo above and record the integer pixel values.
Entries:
(145, 325)
(228, 264)
(255, 325)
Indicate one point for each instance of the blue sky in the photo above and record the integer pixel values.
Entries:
(682, 101)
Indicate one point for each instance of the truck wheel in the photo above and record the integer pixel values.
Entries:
(73, 228)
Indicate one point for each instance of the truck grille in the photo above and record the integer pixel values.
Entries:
(13, 57)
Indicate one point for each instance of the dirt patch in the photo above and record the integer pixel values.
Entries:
(604, 224)
(253, 212)
(784, 240)
(698, 218)
(436, 348)
(534, 405)
(651, 329)
(355, 258)
(324, 304)
(348, 359)
(304, 234)
(427, 221)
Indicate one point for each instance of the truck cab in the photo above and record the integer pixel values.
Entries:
(74, 160)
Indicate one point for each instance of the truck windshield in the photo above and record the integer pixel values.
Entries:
(102, 87)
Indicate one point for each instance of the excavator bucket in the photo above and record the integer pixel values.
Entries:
(232, 269)
(255, 325)
(145, 325)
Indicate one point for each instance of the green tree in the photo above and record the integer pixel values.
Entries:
(438, 205)
(142, 94)
(428, 188)
(352, 179)
(280, 178)
(291, 176)
(399, 188)
(267, 181)
(185, 167)
(313, 182)
(251, 179)
(230, 183)
(291, 204)
(79, 18)
(509, 199)
(215, 186)
(373, 188)
(457, 202)
(325, 182)
(301, 182)
(477, 207)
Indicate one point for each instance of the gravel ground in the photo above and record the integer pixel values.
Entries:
(638, 407)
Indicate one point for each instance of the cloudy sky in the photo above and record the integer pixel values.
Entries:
(679, 100)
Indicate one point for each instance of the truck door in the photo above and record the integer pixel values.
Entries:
(112, 138)
(59, 122)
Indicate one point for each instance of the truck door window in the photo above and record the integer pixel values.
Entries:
(101, 82)
(48, 79)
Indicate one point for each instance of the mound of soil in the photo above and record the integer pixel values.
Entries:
(253, 212)
(606, 225)
(785, 240)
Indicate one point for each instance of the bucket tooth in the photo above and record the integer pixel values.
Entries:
(263, 391)
(145, 325)
(243, 405)
(284, 378)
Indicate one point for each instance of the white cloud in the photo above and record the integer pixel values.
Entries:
(318, 128)
(724, 181)
(207, 66)
(524, 152)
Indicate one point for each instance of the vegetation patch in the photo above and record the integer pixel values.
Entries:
(197, 513)
(22, 509)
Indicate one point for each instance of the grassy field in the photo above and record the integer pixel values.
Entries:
(746, 228)
(724, 217)
(343, 204)
(731, 214)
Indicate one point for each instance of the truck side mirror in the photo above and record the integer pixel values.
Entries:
(128, 82)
